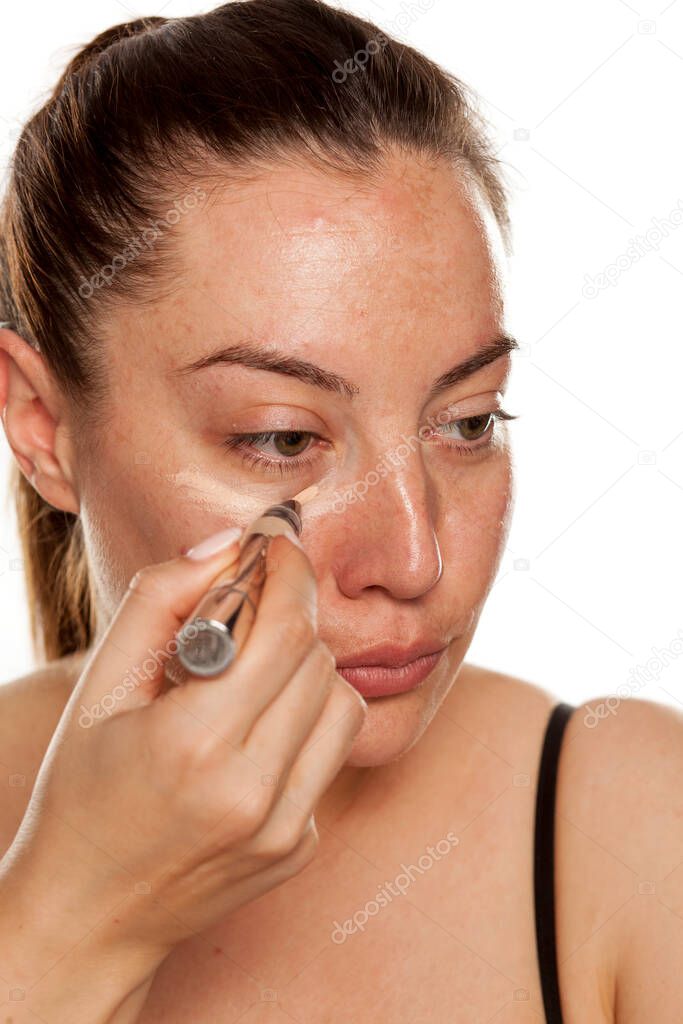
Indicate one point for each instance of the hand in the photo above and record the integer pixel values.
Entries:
(175, 807)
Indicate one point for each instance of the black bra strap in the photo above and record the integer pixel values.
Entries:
(544, 862)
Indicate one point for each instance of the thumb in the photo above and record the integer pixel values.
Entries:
(126, 668)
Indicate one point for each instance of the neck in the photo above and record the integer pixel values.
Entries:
(341, 796)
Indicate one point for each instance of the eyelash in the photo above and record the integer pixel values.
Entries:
(241, 443)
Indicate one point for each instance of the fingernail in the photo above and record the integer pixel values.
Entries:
(216, 542)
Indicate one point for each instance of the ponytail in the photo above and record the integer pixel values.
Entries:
(58, 584)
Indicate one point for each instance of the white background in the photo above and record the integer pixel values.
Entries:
(585, 102)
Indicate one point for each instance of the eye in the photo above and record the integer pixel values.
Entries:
(289, 444)
(295, 450)
(474, 429)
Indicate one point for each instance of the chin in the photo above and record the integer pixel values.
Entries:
(392, 725)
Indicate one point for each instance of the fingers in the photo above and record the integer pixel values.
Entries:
(278, 735)
(126, 669)
(281, 637)
(324, 753)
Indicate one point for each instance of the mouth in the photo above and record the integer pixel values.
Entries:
(382, 680)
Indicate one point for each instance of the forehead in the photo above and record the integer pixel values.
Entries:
(336, 269)
(298, 236)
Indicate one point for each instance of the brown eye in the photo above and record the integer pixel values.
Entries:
(294, 450)
(292, 442)
(473, 427)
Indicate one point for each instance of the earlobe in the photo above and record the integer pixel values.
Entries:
(48, 479)
(31, 411)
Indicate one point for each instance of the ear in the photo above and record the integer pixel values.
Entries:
(34, 415)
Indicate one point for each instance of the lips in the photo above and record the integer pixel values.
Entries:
(390, 655)
(380, 679)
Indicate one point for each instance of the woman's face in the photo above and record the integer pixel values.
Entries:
(387, 286)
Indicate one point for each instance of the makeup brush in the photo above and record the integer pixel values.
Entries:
(217, 628)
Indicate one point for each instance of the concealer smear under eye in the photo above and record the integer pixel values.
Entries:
(212, 495)
(203, 490)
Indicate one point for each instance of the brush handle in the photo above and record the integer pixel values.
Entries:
(215, 631)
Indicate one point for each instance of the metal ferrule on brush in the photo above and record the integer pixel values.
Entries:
(217, 628)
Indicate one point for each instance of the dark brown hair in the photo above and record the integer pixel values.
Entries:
(141, 111)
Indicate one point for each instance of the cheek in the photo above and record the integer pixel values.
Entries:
(130, 515)
(477, 511)
(126, 525)
(142, 500)
(177, 504)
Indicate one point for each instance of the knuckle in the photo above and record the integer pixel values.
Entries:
(306, 847)
(136, 579)
(252, 810)
(278, 843)
(225, 805)
(147, 581)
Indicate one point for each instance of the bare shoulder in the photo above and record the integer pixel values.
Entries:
(506, 712)
(619, 837)
(30, 708)
(620, 855)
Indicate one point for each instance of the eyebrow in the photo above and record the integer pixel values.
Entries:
(276, 361)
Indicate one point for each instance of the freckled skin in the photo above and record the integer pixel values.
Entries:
(389, 284)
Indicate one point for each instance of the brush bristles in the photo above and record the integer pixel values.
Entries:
(306, 494)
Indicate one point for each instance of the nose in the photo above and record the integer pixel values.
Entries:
(386, 536)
